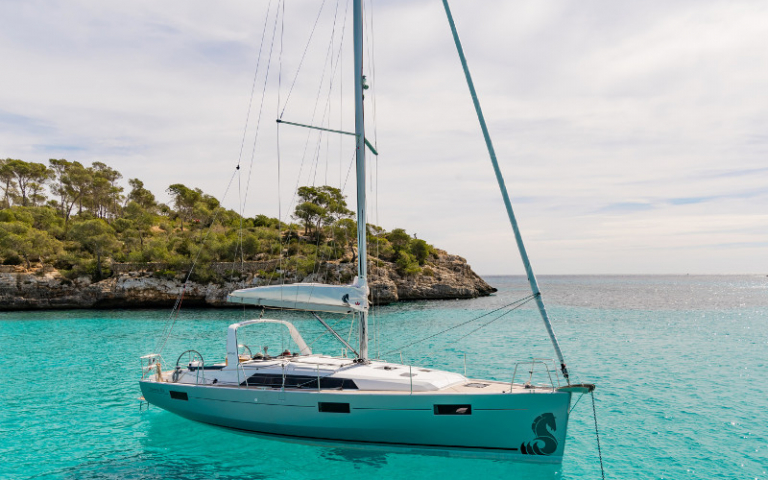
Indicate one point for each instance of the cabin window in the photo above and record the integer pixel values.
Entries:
(179, 395)
(453, 409)
(275, 380)
(330, 407)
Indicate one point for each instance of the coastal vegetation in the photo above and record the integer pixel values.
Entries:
(81, 219)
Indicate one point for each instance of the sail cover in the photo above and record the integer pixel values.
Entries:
(313, 297)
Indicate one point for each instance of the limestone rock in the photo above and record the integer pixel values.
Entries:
(42, 288)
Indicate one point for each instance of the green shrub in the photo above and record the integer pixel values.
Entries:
(12, 259)
(302, 266)
(326, 252)
(205, 275)
(6, 215)
(407, 264)
(420, 250)
(269, 276)
(308, 249)
(165, 273)
(381, 247)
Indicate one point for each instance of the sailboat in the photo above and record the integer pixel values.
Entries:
(358, 401)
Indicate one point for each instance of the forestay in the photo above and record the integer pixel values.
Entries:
(312, 297)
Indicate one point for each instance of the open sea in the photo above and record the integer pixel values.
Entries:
(680, 363)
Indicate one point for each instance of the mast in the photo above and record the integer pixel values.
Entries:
(362, 256)
(502, 186)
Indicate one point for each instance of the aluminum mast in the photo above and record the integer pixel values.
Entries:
(362, 256)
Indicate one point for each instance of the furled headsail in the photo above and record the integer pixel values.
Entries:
(312, 297)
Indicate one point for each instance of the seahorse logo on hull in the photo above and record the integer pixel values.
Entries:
(545, 442)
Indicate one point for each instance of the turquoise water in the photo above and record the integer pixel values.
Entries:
(680, 364)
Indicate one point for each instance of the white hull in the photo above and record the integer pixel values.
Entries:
(499, 425)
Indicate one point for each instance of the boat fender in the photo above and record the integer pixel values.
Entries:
(159, 372)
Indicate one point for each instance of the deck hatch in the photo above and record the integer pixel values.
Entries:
(453, 409)
(332, 407)
(179, 395)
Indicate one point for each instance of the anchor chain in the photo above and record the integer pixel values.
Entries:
(597, 435)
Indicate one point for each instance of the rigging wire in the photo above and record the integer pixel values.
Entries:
(512, 304)
(168, 327)
(378, 253)
(326, 331)
(241, 202)
(335, 63)
(330, 92)
(326, 118)
(351, 327)
(490, 322)
(253, 84)
(328, 60)
(375, 170)
(371, 42)
(301, 62)
(503, 314)
(307, 141)
(277, 139)
(258, 125)
(331, 64)
(482, 326)
(174, 315)
(240, 230)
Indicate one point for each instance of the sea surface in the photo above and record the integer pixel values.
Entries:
(680, 363)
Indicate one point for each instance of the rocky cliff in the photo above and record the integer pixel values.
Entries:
(42, 287)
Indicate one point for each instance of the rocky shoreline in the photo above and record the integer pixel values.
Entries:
(44, 288)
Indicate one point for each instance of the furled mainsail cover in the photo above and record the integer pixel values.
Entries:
(314, 297)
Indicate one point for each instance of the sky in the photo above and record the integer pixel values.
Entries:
(633, 136)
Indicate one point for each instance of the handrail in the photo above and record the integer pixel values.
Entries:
(154, 361)
(533, 362)
(239, 383)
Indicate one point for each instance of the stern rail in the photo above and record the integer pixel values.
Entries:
(149, 363)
